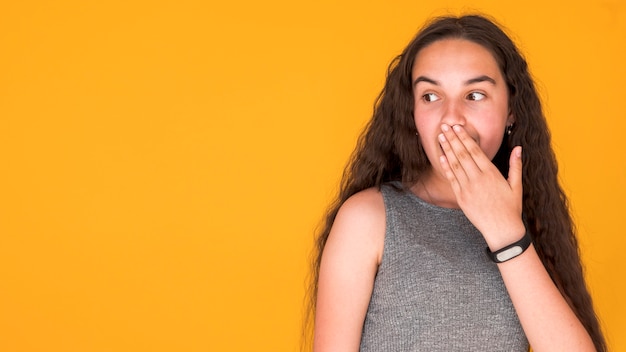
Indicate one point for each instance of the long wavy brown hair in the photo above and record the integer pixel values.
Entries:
(388, 150)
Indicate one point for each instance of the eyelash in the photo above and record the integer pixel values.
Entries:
(482, 96)
(425, 97)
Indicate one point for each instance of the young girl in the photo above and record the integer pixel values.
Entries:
(451, 232)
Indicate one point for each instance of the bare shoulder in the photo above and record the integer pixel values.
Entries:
(366, 205)
(361, 221)
(350, 260)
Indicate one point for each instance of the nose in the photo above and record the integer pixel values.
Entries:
(453, 113)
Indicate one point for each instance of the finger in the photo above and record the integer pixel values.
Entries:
(451, 160)
(515, 170)
(477, 154)
(461, 153)
(449, 174)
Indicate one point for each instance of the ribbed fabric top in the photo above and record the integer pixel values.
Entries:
(436, 289)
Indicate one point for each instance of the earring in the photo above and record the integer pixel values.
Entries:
(509, 129)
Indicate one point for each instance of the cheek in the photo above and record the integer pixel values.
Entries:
(491, 144)
(427, 133)
(492, 150)
(424, 122)
(491, 130)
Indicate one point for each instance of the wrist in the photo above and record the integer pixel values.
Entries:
(498, 239)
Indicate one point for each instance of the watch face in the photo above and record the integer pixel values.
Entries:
(509, 253)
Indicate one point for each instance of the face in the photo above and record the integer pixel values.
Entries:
(458, 82)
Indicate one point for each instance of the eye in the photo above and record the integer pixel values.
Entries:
(476, 96)
(430, 97)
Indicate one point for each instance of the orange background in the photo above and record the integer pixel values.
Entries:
(164, 163)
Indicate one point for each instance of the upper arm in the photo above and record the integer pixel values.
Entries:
(347, 270)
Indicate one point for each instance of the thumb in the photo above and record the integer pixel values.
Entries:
(515, 169)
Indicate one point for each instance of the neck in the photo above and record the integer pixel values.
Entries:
(435, 189)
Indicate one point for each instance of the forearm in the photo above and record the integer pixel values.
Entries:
(548, 321)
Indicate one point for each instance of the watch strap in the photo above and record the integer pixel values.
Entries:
(511, 251)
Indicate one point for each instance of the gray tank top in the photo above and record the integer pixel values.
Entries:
(436, 289)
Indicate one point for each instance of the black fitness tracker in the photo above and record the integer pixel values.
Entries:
(511, 251)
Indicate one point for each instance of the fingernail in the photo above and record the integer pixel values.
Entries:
(457, 128)
(518, 152)
(445, 127)
(441, 137)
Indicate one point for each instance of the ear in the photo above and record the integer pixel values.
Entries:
(510, 119)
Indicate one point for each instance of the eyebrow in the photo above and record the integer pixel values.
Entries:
(479, 79)
(483, 78)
